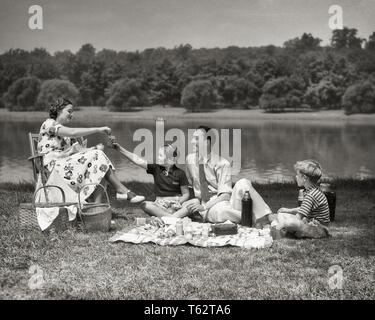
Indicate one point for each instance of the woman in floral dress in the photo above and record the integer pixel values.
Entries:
(78, 166)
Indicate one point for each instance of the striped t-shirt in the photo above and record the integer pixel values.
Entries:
(315, 205)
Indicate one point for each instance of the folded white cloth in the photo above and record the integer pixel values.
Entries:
(46, 216)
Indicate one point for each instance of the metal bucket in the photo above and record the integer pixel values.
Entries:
(96, 217)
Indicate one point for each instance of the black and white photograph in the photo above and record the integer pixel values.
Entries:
(187, 154)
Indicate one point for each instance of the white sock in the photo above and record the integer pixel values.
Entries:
(124, 195)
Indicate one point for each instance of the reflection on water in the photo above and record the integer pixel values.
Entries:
(269, 148)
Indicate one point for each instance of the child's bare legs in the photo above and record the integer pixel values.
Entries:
(288, 221)
(153, 210)
(301, 228)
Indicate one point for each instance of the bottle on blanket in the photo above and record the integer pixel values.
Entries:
(247, 210)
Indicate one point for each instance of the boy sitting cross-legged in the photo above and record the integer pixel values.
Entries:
(170, 182)
(311, 219)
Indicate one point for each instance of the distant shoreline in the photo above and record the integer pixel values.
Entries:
(175, 113)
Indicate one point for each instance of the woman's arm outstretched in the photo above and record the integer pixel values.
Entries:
(81, 132)
(131, 156)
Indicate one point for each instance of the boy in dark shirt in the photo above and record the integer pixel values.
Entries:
(170, 183)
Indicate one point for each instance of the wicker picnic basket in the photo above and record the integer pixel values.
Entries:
(95, 216)
(27, 216)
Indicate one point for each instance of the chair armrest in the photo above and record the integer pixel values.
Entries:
(38, 155)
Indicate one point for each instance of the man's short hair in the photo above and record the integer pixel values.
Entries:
(210, 137)
(310, 168)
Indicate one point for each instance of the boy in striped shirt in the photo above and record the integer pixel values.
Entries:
(311, 219)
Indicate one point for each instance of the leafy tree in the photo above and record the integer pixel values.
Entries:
(198, 95)
(163, 84)
(112, 73)
(280, 94)
(106, 56)
(13, 65)
(306, 43)
(126, 94)
(65, 61)
(162, 93)
(364, 62)
(74, 65)
(183, 51)
(238, 91)
(42, 65)
(86, 54)
(359, 98)
(370, 44)
(92, 84)
(22, 94)
(255, 78)
(323, 95)
(266, 68)
(346, 38)
(53, 89)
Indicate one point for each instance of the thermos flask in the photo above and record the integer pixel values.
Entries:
(247, 210)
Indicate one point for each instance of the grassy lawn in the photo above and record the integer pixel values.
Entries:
(86, 266)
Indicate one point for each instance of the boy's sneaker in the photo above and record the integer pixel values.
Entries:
(131, 196)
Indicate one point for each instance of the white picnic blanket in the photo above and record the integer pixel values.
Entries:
(250, 238)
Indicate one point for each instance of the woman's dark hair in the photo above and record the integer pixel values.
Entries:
(56, 107)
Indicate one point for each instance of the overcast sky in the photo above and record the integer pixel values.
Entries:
(139, 24)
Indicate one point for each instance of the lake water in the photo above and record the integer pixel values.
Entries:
(269, 148)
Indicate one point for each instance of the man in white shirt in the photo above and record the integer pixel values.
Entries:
(210, 175)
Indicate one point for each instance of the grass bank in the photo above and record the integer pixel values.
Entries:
(86, 266)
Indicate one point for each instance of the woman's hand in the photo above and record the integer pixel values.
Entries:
(106, 130)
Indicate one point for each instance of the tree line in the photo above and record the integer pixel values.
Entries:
(300, 75)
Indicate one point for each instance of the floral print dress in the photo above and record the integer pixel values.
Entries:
(87, 166)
